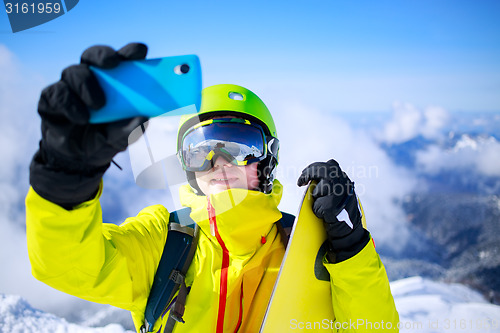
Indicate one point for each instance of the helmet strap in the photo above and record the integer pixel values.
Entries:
(191, 178)
(266, 174)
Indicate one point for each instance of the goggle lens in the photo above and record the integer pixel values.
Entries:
(237, 140)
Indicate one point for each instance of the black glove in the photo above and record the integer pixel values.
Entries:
(333, 193)
(73, 153)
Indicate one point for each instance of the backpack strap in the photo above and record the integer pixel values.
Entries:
(177, 309)
(176, 258)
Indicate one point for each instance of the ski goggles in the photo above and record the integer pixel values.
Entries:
(239, 141)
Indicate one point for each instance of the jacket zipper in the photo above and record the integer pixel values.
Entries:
(224, 269)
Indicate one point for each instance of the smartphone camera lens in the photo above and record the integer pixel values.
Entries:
(181, 69)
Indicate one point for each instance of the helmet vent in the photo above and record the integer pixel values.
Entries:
(236, 96)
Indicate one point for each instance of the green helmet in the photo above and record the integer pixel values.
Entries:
(229, 99)
(234, 100)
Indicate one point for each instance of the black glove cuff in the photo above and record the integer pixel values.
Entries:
(357, 240)
(61, 187)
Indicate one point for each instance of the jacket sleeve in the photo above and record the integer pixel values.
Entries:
(73, 251)
(361, 295)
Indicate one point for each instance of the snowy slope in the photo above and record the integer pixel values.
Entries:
(17, 316)
(424, 306)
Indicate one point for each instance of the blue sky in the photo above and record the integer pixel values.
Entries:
(335, 55)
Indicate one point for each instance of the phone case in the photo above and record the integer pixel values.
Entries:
(152, 87)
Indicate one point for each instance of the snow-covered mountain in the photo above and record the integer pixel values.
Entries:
(454, 213)
(424, 306)
(18, 316)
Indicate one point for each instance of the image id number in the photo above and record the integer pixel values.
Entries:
(25, 8)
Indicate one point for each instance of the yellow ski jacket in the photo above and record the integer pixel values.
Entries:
(232, 274)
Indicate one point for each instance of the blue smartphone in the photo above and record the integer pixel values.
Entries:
(152, 87)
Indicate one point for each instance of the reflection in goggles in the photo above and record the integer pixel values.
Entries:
(238, 141)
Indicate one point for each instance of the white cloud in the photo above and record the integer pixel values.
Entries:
(18, 130)
(480, 155)
(404, 125)
(409, 122)
(435, 119)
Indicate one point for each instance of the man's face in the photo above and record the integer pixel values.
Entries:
(224, 176)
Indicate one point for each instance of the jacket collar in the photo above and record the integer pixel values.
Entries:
(242, 216)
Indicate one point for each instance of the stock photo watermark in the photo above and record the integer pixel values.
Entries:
(26, 14)
(443, 324)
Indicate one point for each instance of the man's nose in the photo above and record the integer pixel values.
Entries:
(222, 162)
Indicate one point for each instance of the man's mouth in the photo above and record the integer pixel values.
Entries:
(222, 181)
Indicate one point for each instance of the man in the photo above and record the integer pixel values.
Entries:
(229, 151)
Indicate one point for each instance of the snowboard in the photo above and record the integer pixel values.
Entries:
(302, 297)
